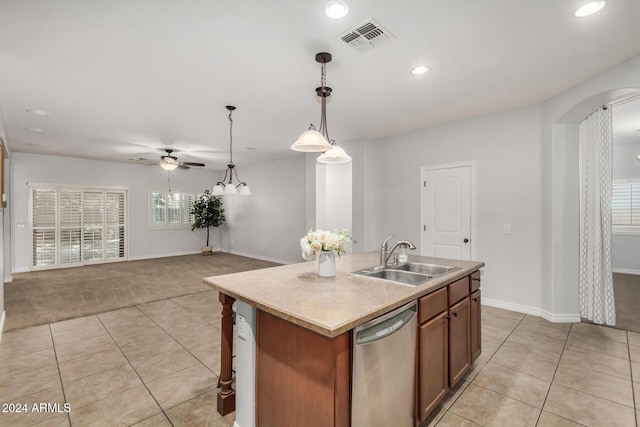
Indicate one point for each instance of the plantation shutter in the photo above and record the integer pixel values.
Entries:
(187, 206)
(116, 227)
(93, 223)
(44, 226)
(625, 205)
(70, 226)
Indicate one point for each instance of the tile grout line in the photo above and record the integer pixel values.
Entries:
(55, 354)
(134, 370)
(179, 343)
(564, 346)
(471, 382)
(633, 388)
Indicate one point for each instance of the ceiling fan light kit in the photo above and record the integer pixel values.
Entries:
(318, 141)
(229, 189)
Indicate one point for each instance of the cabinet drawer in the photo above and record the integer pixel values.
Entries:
(458, 290)
(475, 281)
(432, 304)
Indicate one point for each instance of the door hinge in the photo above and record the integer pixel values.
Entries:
(424, 228)
(424, 184)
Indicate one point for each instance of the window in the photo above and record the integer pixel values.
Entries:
(76, 226)
(625, 204)
(170, 209)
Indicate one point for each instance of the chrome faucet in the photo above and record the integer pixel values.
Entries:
(385, 252)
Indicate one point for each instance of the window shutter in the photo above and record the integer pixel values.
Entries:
(115, 237)
(187, 206)
(93, 222)
(635, 203)
(44, 203)
(70, 226)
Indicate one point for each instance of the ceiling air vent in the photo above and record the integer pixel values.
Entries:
(365, 36)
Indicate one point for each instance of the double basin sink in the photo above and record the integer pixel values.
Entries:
(409, 273)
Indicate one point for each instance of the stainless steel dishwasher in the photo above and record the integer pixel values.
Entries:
(383, 370)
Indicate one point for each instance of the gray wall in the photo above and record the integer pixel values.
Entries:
(143, 243)
(270, 223)
(505, 147)
(560, 118)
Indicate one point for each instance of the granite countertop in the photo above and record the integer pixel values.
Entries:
(330, 306)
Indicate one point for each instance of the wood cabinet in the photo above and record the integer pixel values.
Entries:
(448, 339)
(459, 340)
(476, 338)
(433, 363)
(302, 378)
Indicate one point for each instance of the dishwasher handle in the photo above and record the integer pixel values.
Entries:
(385, 328)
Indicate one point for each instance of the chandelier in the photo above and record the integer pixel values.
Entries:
(313, 140)
(227, 189)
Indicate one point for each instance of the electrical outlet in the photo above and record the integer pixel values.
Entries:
(507, 229)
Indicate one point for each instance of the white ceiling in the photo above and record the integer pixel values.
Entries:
(123, 79)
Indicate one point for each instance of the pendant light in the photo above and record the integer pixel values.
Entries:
(317, 141)
(228, 189)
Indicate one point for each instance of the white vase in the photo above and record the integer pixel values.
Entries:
(326, 264)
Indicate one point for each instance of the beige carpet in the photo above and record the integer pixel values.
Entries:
(40, 297)
(626, 291)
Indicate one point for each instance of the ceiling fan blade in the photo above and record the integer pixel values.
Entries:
(192, 164)
(183, 167)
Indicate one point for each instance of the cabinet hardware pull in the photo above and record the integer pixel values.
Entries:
(475, 299)
(473, 278)
(455, 314)
(448, 317)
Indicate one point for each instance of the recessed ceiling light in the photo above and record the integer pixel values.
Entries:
(336, 9)
(38, 112)
(589, 9)
(421, 69)
(34, 129)
(250, 148)
(29, 144)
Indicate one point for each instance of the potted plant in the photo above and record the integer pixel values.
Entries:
(207, 212)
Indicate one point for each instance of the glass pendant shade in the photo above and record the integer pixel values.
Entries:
(230, 190)
(245, 191)
(168, 166)
(218, 190)
(334, 156)
(311, 141)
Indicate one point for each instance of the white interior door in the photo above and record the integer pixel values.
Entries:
(446, 212)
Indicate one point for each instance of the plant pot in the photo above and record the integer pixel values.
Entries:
(207, 250)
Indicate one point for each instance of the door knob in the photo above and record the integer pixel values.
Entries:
(466, 240)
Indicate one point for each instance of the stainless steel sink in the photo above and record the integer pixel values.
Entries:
(408, 278)
(431, 269)
(410, 273)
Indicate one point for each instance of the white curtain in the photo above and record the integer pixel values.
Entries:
(596, 280)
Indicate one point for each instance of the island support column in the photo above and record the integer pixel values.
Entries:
(226, 395)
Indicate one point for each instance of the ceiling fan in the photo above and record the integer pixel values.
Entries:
(168, 162)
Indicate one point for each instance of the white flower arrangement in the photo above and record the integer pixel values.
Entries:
(322, 240)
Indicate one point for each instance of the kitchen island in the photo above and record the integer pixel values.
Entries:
(300, 331)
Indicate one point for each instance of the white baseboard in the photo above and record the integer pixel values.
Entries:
(260, 257)
(4, 316)
(535, 311)
(625, 271)
(8, 279)
(20, 270)
(561, 318)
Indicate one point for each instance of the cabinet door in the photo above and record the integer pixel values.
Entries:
(433, 373)
(459, 340)
(476, 339)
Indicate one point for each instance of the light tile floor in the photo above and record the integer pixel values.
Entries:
(156, 365)
(536, 373)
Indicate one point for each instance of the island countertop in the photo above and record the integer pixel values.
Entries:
(331, 306)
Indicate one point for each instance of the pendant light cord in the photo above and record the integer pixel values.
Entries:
(230, 137)
(323, 113)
